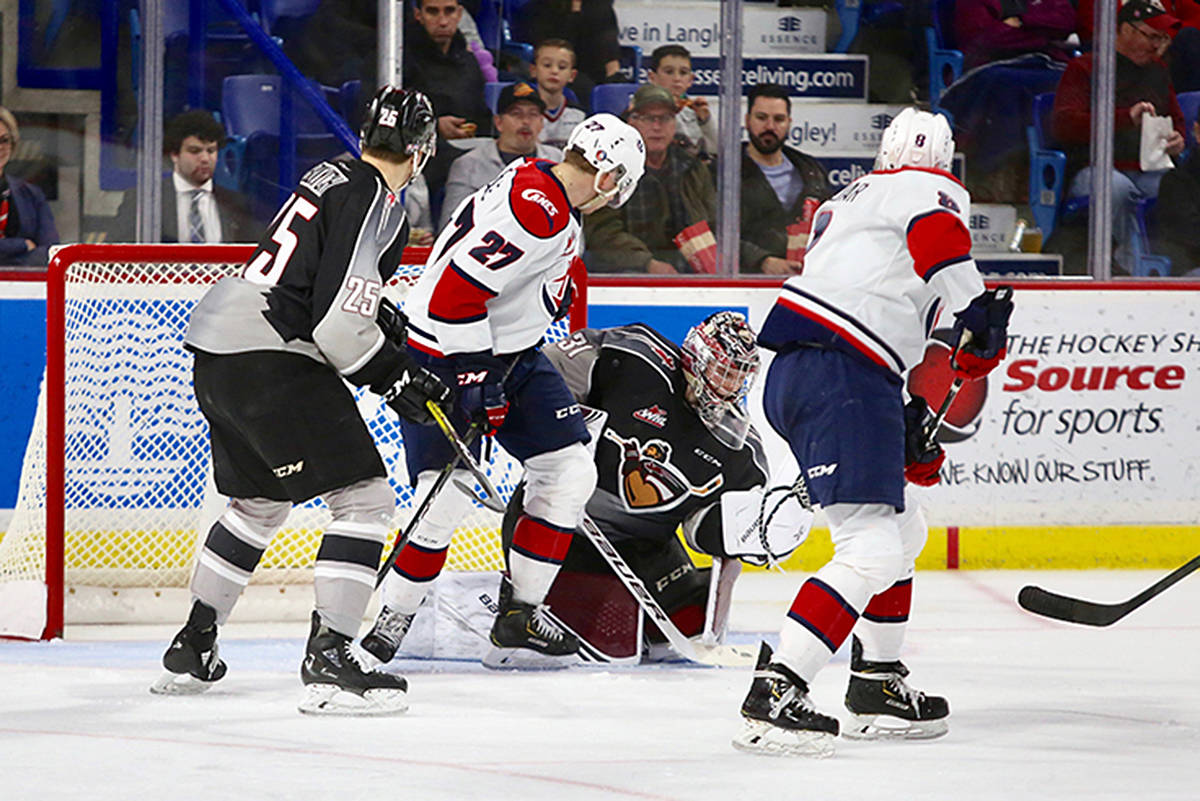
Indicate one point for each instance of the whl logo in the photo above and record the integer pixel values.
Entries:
(654, 415)
(539, 197)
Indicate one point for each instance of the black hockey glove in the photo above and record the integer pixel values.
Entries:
(393, 323)
(986, 318)
(408, 389)
(480, 379)
(923, 456)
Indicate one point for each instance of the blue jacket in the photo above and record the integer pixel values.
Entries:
(37, 224)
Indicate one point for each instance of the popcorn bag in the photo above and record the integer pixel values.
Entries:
(699, 247)
(799, 230)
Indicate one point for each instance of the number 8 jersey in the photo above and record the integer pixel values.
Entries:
(498, 273)
(312, 285)
(886, 253)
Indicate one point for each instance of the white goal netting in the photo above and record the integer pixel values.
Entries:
(120, 447)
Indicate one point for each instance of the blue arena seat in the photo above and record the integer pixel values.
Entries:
(612, 98)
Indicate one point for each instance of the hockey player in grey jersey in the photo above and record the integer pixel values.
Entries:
(273, 349)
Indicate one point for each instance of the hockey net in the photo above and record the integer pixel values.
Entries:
(116, 495)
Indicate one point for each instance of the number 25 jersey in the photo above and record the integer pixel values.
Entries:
(500, 269)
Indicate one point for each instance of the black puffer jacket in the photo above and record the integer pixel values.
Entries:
(452, 80)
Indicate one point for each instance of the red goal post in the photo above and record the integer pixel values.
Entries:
(115, 493)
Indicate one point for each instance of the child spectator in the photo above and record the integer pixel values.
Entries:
(554, 68)
(671, 68)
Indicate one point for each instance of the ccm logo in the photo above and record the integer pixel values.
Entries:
(538, 197)
(466, 379)
(566, 411)
(822, 470)
(283, 471)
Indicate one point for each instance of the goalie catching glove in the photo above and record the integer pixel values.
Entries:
(923, 456)
(480, 380)
(981, 332)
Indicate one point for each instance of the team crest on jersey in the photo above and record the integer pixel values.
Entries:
(320, 178)
(654, 415)
(646, 479)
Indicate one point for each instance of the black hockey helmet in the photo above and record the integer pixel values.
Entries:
(400, 121)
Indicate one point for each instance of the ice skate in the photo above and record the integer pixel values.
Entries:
(528, 637)
(883, 706)
(780, 719)
(337, 682)
(384, 638)
(191, 660)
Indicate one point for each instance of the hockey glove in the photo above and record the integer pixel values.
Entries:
(409, 387)
(392, 322)
(480, 380)
(923, 456)
(982, 333)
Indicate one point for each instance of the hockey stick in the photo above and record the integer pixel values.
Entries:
(722, 655)
(442, 478)
(491, 498)
(1089, 613)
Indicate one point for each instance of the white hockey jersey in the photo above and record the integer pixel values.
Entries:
(885, 254)
(499, 271)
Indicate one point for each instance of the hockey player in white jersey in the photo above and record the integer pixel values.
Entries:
(496, 279)
(888, 254)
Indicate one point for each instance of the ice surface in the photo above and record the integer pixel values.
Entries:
(1040, 710)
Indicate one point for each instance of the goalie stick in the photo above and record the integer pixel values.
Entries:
(1089, 613)
(720, 655)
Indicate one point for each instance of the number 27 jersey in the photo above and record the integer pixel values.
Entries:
(500, 269)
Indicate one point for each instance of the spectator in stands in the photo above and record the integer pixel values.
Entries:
(1143, 86)
(518, 123)
(1178, 213)
(438, 63)
(554, 68)
(776, 182)
(991, 30)
(671, 68)
(676, 192)
(591, 28)
(26, 225)
(194, 209)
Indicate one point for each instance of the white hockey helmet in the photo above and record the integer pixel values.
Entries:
(720, 361)
(916, 139)
(610, 145)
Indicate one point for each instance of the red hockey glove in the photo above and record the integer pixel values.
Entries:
(986, 321)
(922, 457)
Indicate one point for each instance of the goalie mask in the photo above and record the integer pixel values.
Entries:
(916, 139)
(720, 360)
(611, 145)
(400, 121)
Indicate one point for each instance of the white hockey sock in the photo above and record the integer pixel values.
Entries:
(884, 622)
(820, 618)
(538, 550)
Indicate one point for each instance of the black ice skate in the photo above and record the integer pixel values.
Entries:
(191, 659)
(780, 719)
(882, 705)
(385, 636)
(529, 637)
(338, 683)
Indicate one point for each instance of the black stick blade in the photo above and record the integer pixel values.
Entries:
(1071, 610)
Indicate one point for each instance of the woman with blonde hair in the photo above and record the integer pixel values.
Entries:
(26, 223)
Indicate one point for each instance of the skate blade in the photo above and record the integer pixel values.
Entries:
(885, 727)
(179, 684)
(759, 737)
(333, 701)
(526, 659)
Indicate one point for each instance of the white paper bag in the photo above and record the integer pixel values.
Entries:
(1155, 131)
